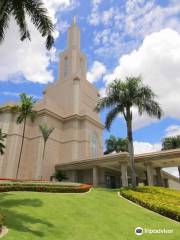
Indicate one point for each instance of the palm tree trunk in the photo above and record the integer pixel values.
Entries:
(179, 170)
(22, 143)
(131, 148)
(43, 155)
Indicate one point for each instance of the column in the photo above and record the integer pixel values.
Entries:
(150, 175)
(95, 176)
(159, 177)
(74, 175)
(124, 177)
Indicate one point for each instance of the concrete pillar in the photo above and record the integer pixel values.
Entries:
(150, 175)
(74, 175)
(124, 177)
(159, 177)
(95, 176)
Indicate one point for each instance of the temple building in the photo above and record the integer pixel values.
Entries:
(75, 146)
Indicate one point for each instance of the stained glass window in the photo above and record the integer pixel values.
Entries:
(94, 147)
(65, 66)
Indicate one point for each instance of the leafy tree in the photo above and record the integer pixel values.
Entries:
(46, 131)
(37, 12)
(2, 138)
(116, 144)
(25, 111)
(171, 143)
(121, 97)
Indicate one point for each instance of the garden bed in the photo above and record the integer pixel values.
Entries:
(161, 200)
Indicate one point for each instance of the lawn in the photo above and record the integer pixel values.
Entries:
(98, 215)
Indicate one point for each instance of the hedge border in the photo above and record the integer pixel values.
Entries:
(41, 188)
(161, 210)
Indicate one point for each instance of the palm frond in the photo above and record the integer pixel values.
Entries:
(19, 15)
(111, 116)
(46, 131)
(5, 10)
(39, 17)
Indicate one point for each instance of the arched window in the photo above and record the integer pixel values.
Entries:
(94, 145)
(65, 66)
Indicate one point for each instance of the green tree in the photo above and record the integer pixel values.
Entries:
(121, 97)
(2, 138)
(20, 9)
(171, 143)
(46, 131)
(25, 111)
(116, 144)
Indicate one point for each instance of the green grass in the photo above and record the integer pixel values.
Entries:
(98, 215)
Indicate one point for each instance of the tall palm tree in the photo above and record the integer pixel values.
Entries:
(46, 131)
(121, 97)
(171, 143)
(115, 144)
(2, 138)
(25, 111)
(19, 9)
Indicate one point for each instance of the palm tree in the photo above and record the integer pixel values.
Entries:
(25, 110)
(37, 12)
(171, 143)
(115, 144)
(2, 138)
(121, 97)
(46, 131)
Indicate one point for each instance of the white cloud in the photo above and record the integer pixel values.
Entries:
(172, 130)
(29, 60)
(96, 72)
(172, 170)
(146, 147)
(157, 61)
(130, 22)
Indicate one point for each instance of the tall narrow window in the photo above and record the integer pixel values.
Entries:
(94, 145)
(65, 67)
(81, 66)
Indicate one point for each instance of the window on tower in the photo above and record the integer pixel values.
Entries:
(65, 67)
(94, 145)
(81, 65)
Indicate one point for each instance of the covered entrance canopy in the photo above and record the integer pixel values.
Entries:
(116, 168)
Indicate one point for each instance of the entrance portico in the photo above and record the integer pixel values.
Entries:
(113, 171)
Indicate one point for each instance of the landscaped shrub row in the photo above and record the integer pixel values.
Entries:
(161, 200)
(46, 184)
(51, 188)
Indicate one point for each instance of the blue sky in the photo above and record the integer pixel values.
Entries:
(120, 38)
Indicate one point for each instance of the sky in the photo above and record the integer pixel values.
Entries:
(120, 38)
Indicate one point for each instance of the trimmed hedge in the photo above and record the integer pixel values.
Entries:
(54, 188)
(161, 200)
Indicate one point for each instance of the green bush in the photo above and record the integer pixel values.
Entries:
(161, 200)
(44, 188)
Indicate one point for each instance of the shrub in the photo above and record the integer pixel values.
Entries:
(161, 200)
(60, 176)
(7, 187)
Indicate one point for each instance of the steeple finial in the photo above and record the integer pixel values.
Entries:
(74, 20)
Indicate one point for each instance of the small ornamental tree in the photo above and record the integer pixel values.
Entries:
(24, 111)
(46, 132)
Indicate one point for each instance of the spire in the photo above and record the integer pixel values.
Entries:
(74, 20)
(74, 35)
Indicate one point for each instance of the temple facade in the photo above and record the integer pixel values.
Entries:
(67, 106)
